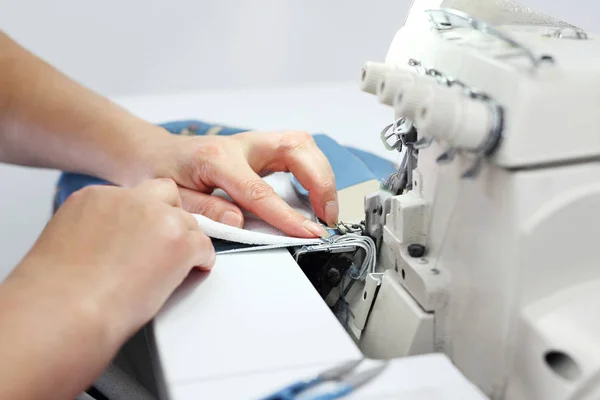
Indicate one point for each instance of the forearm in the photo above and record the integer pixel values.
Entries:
(52, 347)
(48, 120)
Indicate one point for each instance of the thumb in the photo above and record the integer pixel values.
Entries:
(213, 207)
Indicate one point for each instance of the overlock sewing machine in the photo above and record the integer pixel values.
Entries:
(486, 236)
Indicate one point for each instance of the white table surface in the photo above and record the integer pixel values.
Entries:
(428, 377)
(255, 322)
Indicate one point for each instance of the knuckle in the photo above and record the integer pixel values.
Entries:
(207, 246)
(207, 206)
(208, 155)
(206, 243)
(171, 228)
(326, 185)
(257, 189)
(84, 194)
(90, 191)
(202, 246)
(288, 219)
(210, 151)
(165, 184)
(295, 140)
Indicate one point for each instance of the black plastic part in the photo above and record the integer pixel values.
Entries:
(416, 250)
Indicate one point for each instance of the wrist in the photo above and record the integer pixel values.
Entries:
(68, 311)
(144, 155)
(53, 337)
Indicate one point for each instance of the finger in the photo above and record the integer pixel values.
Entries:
(162, 189)
(298, 153)
(188, 219)
(203, 251)
(213, 207)
(304, 159)
(253, 193)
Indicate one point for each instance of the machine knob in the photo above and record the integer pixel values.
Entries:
(393, 82)
(412, 95)
(372, 74)
(451, 117)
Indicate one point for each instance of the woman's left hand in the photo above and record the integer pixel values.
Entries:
(236, 163)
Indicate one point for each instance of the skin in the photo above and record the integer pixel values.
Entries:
(112, 255)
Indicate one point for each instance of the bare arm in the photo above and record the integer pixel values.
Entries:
(53, 344)
(111, 256)
(101, 269)
(48, 120)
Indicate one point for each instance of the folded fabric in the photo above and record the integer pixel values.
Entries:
(244, 239)
(257, 234)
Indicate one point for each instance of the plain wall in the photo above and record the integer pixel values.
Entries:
(160, 46)
(157, 46)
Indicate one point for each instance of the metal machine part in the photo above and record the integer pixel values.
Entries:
(497, 271)
(438, 107)
(410, 332)
(343, 267)
(447, 19)
(501, 12)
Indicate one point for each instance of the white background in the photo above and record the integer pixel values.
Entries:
(126, 47)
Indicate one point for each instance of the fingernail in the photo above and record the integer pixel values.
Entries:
(316, 229)
(332, 210)
(231, 218)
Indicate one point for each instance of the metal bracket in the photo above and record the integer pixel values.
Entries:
(445, 19)
(387, 133)
(345, 228)
(398, 130)
(375, 214)
(568, 33)
(422, 279)
(361, 309)
(423, 143)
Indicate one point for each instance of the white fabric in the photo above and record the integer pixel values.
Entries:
(256, 231)
(218, 230)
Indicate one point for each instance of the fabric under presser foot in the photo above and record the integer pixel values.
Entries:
(247, 240)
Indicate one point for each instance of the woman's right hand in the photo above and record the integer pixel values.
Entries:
(120, 252)
(103, 266)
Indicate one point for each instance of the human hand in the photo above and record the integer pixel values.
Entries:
(236, 164)
(120, 252)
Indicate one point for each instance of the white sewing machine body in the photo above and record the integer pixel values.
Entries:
(510, 278)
